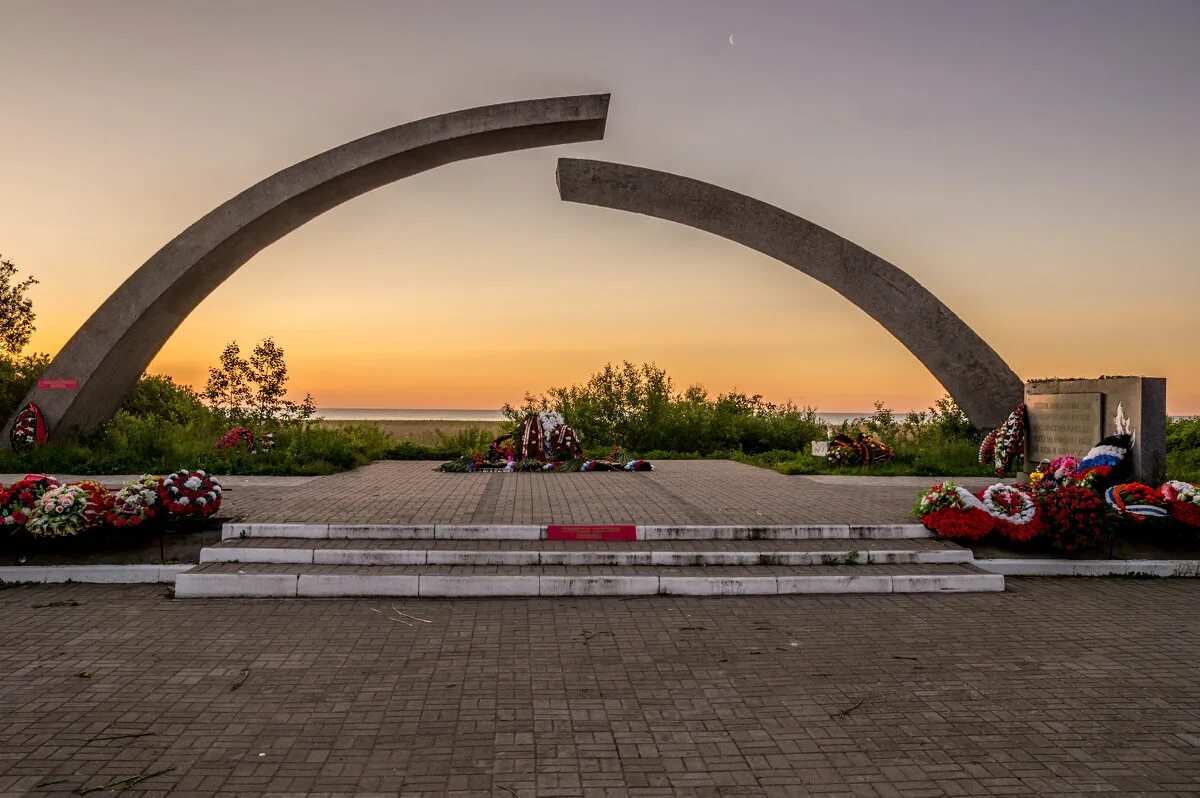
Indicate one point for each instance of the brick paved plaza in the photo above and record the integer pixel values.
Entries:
(1058, 687)
(676, 492)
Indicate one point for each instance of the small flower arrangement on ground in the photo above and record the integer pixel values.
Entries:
(64, 511)
(20, 497)
(190, 493)
(136, 502)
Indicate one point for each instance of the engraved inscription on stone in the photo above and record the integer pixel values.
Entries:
(1062, 423)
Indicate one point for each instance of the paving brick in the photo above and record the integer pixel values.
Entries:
(1058, 686)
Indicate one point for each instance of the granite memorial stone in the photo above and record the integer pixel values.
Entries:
(1061, 409)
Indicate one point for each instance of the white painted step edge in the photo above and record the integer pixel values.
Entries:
(100, 574)
(441, 586)
(534, 532)
(1059, 567)
(304, 556)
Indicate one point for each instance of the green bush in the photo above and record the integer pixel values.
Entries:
(1183, 449)
(163, 426)
(638, 408)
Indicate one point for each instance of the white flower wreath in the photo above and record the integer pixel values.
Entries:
(1024, 515)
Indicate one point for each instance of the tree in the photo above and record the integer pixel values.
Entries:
(16, 310)
(228, 388)
(255, 388)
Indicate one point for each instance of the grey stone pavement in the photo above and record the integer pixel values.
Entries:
(1055, 687)
(676, 492)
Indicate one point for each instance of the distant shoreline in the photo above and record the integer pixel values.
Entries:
(485, 416)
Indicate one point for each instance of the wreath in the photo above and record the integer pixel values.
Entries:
(970, 523)
(1135, 501)
(1010, 440)
(987, 449)
(950, 511)
(1107, 462)
(99, 496)
(19, 497)
(1183, 501)
(136, 502)
(859, 451)
(28, 429)
(190, 493)
(1016, 514)
(237, 436)
(64, 511)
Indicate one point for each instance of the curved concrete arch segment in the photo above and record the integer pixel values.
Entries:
(90, 377)
(979, 380)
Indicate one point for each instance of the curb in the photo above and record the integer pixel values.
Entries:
(645, 532)
(95, 574)
(440, 586)
(301, 556)
(1056, 567)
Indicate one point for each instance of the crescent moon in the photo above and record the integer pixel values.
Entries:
(731, 41)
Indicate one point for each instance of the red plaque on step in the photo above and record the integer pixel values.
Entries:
(606, 532)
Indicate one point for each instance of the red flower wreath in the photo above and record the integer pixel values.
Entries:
(1182, 501)
(970, 523)
(235, 437)
(190, 493)
(1136, 501)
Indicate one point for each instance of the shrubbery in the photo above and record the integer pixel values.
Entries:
(638, 407)
(1183, 449)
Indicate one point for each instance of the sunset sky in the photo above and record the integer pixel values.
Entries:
(1036, 165)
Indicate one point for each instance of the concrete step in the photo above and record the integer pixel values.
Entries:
(619, 553)
(539, 532)
(268, 580)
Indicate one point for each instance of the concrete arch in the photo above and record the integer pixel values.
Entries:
(90, 377)
(979, 380)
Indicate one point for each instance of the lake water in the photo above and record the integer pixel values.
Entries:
(466, 414)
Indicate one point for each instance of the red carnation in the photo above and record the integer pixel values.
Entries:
(971, 523)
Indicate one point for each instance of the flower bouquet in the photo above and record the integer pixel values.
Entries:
(64, 511)
(953, 512)
(1074, 516)
(1183, 502)
(136, 502)
(190, 493)
(19, 498)
(1015, 512)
